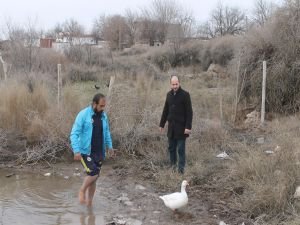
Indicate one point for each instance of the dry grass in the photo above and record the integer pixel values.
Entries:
(267, 181)
(19, 105)
(33, 112)
(270, 180)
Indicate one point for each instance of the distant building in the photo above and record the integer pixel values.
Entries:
(64, 41)
(84, 40)
(46, 42)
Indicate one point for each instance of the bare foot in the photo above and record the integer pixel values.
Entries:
(81, 197)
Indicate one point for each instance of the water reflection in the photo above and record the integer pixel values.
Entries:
(88, 218)
(29, 199)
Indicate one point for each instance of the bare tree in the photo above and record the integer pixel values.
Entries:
(225, 20)
(263, 11)
(23, 45)
(164, 13)
(148, 31)
(115, 30)
(31, 41)
(72, 28)
(98, 26)
(131, 18)
(55, 31)
(186, 20)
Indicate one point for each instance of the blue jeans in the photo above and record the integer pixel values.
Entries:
(179, 144)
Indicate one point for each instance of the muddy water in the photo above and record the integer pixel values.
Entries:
(36, 199)
(32, 198)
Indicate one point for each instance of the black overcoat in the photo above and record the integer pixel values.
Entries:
(178, 112)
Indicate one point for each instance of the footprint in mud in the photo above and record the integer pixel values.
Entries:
(183, 216)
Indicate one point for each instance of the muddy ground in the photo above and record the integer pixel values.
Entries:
(132, 199)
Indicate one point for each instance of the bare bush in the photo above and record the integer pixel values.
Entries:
(80, 73)
(133, 116)
(224, 49)
(280, 52)
(202, 53)
(49, 151)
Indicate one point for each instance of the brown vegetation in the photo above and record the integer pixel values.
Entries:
(257, 181)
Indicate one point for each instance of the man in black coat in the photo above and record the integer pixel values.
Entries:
(179, 114)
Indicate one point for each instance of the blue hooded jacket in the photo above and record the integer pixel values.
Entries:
(81, 133)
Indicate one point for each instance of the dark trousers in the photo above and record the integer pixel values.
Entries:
(179, 144)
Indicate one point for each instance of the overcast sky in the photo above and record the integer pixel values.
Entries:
(48, 13)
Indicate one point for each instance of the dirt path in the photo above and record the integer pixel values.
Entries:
(135, 201)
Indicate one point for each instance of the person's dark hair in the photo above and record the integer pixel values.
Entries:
(97, 98)
(174, 76)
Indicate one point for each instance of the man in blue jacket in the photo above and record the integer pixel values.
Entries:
(90, 136)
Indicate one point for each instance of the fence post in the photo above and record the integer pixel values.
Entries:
(263, 95)
(58, 83)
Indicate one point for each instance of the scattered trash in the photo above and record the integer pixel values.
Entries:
(297, 192)
(269, 152)
(47, 174)
(9, 175)
(222, 223)
(76, 174)
(76, 169)
(140, 187)
(123, 198)
(66, 177)
(223, 155)
(243, 223)
(261, 140)
(119, 220)
(277, 148)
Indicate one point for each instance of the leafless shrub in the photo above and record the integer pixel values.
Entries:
(133, 115)
(280, 52)
(81, 73)
(48, 60)
(47, 151)
(223, 49)
(219, 51)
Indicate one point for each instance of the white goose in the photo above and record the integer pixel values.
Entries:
(176, 200)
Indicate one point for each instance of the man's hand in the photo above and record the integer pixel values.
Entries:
(161, 129)
(112, 153)
(77, 156)
(187, 131)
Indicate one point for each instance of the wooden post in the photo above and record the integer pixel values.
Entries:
(237, 89)
(58, 83)
(108, 95)
(263, 95)
(220, 99)
(111, 83)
